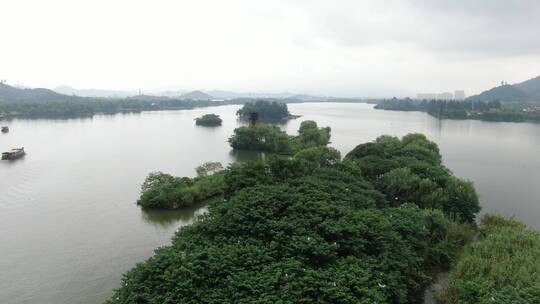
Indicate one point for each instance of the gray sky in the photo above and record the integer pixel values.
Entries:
(338, 47)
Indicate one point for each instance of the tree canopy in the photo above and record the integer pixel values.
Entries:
(411, 170)
(270, 138)
(310, 227)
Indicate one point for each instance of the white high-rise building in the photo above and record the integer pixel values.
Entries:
(459, 95)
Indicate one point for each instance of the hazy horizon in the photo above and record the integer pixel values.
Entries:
(343, 49)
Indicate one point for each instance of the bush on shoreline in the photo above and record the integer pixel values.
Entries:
(161, 190)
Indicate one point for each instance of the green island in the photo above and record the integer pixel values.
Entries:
(472, 109)
(266, 110)
(312, 227)
(209, 120)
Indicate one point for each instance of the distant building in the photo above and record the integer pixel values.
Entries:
(427, 96)
(445, 96)
(459, 95)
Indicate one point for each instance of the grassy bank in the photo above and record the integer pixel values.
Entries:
(502, 267)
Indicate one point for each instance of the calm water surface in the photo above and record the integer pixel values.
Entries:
(68, 219)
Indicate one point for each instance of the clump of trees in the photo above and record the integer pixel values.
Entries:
(310, 227)
(410, 170)
(270, 138)
(266, 110)
(262, 137)
(164, 191)
(210, 120)
(310, 135)
(502, 267)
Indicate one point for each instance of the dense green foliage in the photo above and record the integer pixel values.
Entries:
(310, 135)
(503, 267)
(267, 110)
(490, 111)
(161, 190)
(262, 137)
(270, 138)
(410, 170)
(307, 228)
(210, 120)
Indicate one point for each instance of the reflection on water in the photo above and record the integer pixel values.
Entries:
(167, 218)
(19, 159)
(244, 156)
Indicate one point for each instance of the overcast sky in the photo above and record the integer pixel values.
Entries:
(332, 47)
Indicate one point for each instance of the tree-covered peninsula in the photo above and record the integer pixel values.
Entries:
(208, 120)
(311, 227)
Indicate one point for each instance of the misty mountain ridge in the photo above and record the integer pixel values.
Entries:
(67, 90)
(9, 93)
(196, 95)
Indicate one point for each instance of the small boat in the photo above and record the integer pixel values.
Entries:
(5, 129)
(13, 154)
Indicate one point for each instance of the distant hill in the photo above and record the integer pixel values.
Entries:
(303, 97)
(531, 86)
(92, 92)
(196, 95)
(503, 93)
(220, 94)
(9, 93)
(226, 94)
(527, 91)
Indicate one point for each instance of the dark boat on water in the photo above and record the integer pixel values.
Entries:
(5, 129)
(13, 154)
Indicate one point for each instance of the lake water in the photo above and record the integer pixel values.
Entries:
(70, 226)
